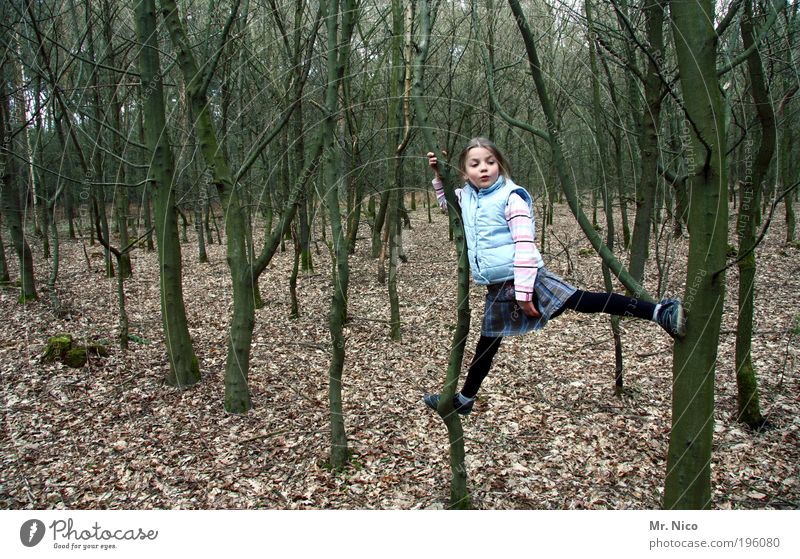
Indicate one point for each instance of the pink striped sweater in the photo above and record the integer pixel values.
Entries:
(527, 259)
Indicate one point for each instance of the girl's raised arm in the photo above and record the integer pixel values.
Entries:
(434, 163)
(438, 185)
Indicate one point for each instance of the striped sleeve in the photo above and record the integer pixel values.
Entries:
(438, 187)
(527, 259)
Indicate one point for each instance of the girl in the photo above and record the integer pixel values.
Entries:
(522, 293)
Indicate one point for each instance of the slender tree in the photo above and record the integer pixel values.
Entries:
(184, 366)
(5, 279)
(395, 145)
(749, 213)
(650, 120)
(338, 51)
(10, 193)
(605, 177)
(459, 496)
(243, 271)
(688, 478)
(121, 200)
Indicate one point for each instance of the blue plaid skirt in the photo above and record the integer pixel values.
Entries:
(502, 316)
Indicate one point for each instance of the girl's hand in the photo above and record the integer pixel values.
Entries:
(529, 309)
(434, 163)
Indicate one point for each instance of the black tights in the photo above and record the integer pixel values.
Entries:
(580, 301)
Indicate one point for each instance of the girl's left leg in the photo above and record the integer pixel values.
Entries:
(609, 303)
(669, 313)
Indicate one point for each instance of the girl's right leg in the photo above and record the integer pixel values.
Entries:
(481, 363)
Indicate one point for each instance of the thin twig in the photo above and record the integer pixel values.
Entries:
(264, 436)
(763, 231)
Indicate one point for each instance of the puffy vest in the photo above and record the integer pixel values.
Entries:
(490, 247)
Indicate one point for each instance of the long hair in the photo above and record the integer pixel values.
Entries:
(481, 142)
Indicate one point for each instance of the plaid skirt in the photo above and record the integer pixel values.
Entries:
(502, 316)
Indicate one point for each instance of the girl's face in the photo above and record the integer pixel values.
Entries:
(481, 167)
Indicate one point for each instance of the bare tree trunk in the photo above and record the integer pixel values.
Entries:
(634, 120)
(606, 189)
(29, 149)
(392, 225)
(121, 201)
(356, 195)
(788, 201)
(5, 279)
(9, 183)
(378, 223)
(688, 479)
(787, 161)
(459, 496)
(198, 222)
(648, 140)
(184, 367)
(96, 160)
(295, 305)
(338, 48)
(749, 411)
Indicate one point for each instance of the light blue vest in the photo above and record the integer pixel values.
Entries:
(490, 247)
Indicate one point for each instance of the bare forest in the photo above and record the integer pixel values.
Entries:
(226, 282)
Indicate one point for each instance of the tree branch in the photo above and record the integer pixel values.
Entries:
(728, 19)
(556, 140)
(777, 7)
(208, 73)
(272, 241)
(763, 231)
(490, 83)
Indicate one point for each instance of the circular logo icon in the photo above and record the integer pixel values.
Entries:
(31, 533)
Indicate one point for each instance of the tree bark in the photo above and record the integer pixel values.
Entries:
(338, 48)
(688, 478)
(459, 496)
(184, 366)
(10, 196)
(648, 140)
(749, 410)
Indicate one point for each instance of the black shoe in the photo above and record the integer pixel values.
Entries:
(672, 318)
(432, 401)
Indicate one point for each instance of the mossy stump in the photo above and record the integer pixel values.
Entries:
(57, 347)
(63, 348)
(76, 357)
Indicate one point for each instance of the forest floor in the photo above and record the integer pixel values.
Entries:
(548, 430)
